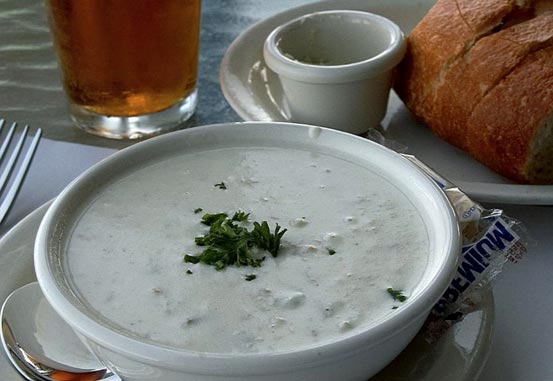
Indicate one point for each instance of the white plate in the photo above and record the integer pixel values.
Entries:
(254, 92)
(458, 356)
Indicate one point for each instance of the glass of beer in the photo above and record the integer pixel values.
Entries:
(129, 67)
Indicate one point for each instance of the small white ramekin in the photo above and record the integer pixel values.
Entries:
(336, 67)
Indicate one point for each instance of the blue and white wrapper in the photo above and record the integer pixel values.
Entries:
(491, 241)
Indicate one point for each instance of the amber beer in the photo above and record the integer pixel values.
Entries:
(126, 57)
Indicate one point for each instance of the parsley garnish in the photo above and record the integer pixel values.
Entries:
(210, 218)
(189, 272)
(221, 185)
(250, 277)
(191, 259)
(230, 244)
(397, 295)
(240, 216)
(197, 210)
(331, 251)
(263, 238)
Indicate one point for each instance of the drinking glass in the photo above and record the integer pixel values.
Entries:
(128, 67)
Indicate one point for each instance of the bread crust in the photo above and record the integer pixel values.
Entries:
(479, 74)
(470, 78)
(448, 30)
(502, 140)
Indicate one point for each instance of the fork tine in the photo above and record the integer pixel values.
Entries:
(7, 140)
(13, 158)
(20, 176)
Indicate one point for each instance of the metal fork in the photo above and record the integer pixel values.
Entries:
(9, 166)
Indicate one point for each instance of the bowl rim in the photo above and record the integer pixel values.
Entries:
(249, 363)
(306, 72)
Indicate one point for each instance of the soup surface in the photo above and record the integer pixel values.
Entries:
(351, 236)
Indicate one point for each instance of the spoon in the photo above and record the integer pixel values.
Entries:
(40, 345)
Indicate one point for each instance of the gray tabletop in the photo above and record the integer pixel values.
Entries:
(30, 87)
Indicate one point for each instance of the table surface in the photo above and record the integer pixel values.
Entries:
(30, 92)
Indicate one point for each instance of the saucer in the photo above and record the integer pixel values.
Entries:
(458, 356)
(255, 93)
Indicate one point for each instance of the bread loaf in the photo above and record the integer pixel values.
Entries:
(479, 73)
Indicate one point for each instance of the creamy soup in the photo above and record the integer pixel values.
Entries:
(351, 236)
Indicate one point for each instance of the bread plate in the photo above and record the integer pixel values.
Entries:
(254, 92)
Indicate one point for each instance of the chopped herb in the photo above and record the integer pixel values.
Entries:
(191, 259)
(331, 251)
(190, 321)
(197, 210)
(264, 239)
(397, 295)
(395, 307)
(250, 277)
(211, 218)
(200, 241)
(221, 185)
(240, 216)
(189, 271)
(228, 243)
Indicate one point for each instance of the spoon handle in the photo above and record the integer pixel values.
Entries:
(59, 375)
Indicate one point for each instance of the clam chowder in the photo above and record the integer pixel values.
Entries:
(353, 244)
